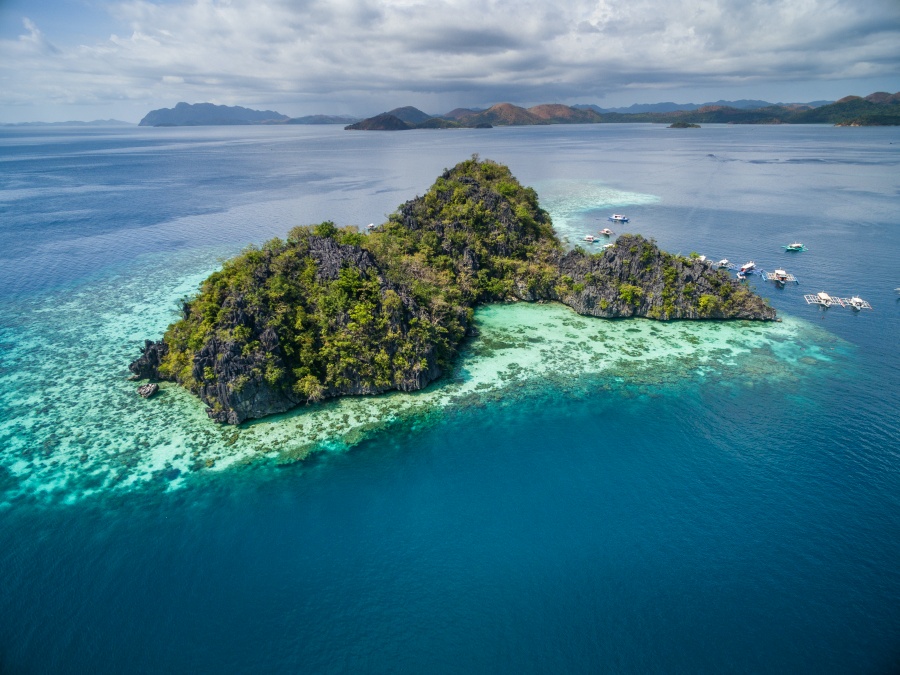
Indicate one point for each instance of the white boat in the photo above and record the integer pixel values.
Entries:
(370, 226)
(856, 303)
(589, 238)
(607, 232)
(795, 246)
(723, 263)
(618, 218)
(824, 299)
(747, 266)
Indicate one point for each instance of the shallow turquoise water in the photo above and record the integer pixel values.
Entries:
(578, 495)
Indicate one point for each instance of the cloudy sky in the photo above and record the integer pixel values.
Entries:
(98, 59)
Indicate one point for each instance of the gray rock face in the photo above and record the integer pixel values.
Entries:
(145, 367)
(635, 278)
(232, 381)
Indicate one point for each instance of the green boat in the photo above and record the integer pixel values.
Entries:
(796, 246)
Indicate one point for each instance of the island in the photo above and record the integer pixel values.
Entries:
(880, 108)
(332, 311)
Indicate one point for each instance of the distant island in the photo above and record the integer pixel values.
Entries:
(879, 108)
(208, 114)
(502, 114)
(334, 311)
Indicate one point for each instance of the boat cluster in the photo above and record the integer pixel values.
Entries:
(605, 233)
(782, 277)
(779, 276)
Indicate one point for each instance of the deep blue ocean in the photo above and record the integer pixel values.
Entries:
(579, 496)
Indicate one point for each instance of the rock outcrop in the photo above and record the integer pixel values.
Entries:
(635, 278)
(331, 312)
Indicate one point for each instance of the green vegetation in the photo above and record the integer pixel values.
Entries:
(330, 311)
(355, 332)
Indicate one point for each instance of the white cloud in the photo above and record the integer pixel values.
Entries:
(475, 51)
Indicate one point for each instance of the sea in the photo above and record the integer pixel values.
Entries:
(578, 495)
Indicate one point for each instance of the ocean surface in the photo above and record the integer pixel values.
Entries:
(578, 496)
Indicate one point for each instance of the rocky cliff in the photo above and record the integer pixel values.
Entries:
(635, 278)
(330, 312)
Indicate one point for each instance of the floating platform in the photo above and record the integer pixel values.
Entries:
(779, 277)
(825, 300)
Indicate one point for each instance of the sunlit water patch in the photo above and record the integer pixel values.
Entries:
(578, 206)
(72, 425)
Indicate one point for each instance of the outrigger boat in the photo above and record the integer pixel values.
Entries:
(370, 226)
(855, 303)
(589, 238)
(822, 298)
(796, 246)
(606, 232)
(618, 218)
(747, 267)
(780, 277)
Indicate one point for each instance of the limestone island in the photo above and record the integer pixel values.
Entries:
(332, 311)
(683, 125)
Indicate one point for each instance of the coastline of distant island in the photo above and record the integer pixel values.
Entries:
(877, 109)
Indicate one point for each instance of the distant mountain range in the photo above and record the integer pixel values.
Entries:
(502, 114)
(208, 114)
(880, 108)
(668, 106)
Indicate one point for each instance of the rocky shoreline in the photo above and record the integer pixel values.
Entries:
(332, 312)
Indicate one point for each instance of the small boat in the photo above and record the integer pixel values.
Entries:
(723, 263)
(857, 303)
(606, 246)
(618, 218)
(897, 290)
(370, 226)
(796, 246)
(824, 299)
(780, 276)
(606, 232)
(747, 266)
(589, 238)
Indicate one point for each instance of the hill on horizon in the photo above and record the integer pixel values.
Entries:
(409, 114)
(669, 106)
(878, 108)
(209, 114)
